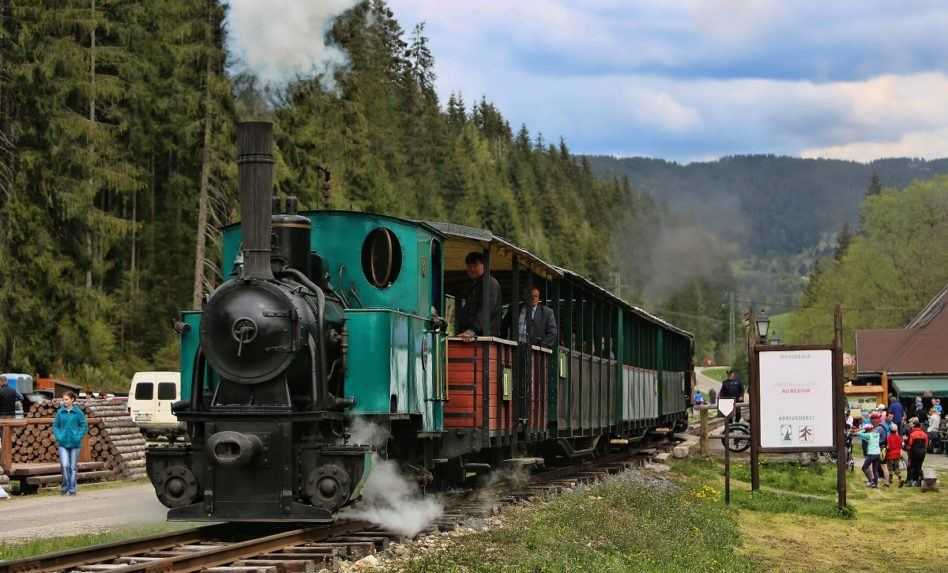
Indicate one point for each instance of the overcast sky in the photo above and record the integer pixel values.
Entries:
(678, 79)
(690, 80)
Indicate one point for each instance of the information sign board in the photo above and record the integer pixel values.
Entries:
(795, 400)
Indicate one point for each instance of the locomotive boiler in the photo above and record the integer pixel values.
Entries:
(265, 414)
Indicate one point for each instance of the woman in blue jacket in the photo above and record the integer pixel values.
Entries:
(69, 427)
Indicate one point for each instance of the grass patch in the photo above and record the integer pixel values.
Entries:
(793, 525)
(617, 526)
(785, 487)
(31, 547)
(718, 373)
(14, 487)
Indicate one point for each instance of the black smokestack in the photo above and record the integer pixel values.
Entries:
(255, 186)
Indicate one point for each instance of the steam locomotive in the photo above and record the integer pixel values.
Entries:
(330, 317)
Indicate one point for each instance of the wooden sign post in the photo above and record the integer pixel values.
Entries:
(797, 403)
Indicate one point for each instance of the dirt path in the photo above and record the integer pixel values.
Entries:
(90, 511)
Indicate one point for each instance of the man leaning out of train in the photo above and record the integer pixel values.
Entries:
(69, 428)
(470, 316)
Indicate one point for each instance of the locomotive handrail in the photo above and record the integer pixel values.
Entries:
(483, 339)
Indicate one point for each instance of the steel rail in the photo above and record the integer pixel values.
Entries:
(75, 557)
(224, 554)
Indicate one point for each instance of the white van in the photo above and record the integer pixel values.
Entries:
(149, 403)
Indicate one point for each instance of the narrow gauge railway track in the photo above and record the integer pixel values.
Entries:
(246, 548)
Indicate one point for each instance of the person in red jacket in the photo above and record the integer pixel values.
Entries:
(917, 446)
(893, 453)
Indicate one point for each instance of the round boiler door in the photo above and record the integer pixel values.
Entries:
(247, 331)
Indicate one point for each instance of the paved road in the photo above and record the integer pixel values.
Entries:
(90, 511)
(705, 383)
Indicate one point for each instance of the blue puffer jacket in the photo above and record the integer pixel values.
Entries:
(69, 427)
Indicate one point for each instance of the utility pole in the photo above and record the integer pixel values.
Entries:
(732, 332)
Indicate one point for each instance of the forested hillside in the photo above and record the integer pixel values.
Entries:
(884, 275)
(770, 205)
(116, 167)
(756, 225)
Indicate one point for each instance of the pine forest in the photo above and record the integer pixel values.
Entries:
(116, 168)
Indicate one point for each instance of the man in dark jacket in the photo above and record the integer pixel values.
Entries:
(732, 388)
(8, 398)
(470, 317)
(537, 323)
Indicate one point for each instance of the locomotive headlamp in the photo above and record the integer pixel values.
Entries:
(763, 325)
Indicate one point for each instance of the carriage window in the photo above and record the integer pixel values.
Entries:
(166, 391)
(144, 391)
(381, 257)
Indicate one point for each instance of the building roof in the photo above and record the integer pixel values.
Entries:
(920, 348)
(912, 387)
(931, 310)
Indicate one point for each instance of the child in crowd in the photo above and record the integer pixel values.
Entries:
(893, 453)
(917, 446)
(871, 463)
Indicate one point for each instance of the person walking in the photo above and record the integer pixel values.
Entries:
(69, 427)
(877, 419)
(934, 427)
(871, 461)
(897, 411)
(917, 446)
(8, 399)
(893, 454)
(732, 388)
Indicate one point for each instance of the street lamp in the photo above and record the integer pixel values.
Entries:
(762, 322)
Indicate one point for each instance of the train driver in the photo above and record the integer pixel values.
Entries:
(470, 322)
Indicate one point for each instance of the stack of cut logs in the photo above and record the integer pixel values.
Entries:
(114, 438)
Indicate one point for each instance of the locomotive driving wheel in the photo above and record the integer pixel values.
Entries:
(177, 487)
(328, 486)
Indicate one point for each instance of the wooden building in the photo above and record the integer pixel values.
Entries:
(913, 360)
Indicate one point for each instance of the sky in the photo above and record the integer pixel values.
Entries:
(684, 80)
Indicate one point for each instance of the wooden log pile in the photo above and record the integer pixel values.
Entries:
(114, 439)
(34, 444)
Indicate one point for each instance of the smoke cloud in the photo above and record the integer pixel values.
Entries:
(390, 499)
(393, 501)
(280, 40)
(365, 433)
(663, 250)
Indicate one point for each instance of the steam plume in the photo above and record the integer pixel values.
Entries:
(390, 499)
(393, 501)
(279, 40)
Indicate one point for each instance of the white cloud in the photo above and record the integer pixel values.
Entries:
(701, 78)
(928, 145)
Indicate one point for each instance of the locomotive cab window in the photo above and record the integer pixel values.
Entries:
(381, 257)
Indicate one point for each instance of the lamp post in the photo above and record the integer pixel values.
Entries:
(762, 322)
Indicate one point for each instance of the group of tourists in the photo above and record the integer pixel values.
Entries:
(889, 442)
(69, 429)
